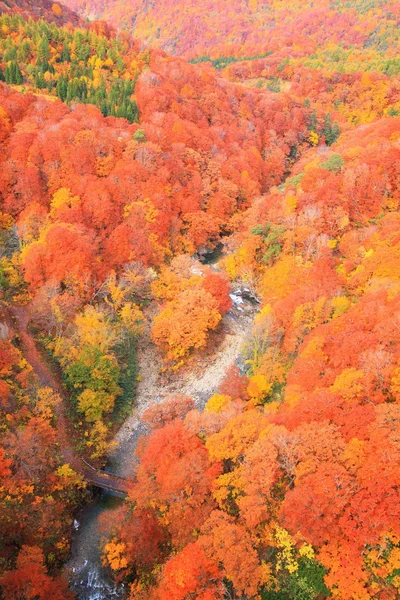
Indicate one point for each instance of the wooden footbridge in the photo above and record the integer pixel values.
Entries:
(104, 479)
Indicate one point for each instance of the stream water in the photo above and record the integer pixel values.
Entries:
(89, 580)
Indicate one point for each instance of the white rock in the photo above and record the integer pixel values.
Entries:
(236, 299)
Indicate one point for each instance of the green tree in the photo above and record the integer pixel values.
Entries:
(13, 73)
(62, 88)
(65, 54)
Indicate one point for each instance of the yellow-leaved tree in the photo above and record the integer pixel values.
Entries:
(184, 323)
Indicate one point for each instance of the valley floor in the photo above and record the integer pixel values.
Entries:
(88, 579)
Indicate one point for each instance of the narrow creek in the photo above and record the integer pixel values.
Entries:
(88, 579)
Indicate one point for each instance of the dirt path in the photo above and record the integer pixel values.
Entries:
(65, 432)
(46, 379)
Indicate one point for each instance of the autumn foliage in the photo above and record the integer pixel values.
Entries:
(306, 447)
(139, 195)
(237, 29)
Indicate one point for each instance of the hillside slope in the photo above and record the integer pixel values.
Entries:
(53, 12)
(123, 171)
(244, 28)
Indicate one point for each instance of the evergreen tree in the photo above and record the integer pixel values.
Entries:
(65, 55)
(82, 48)
(43, 52)
(40, 81)
(335, 131)
(7, 75)
(24, 52)
(10, 54)
(13, 74)
(62, 88)
(71, 91)
(330, 131)
(105, 108)
(18, 75)
(312, 126)
(101, 49)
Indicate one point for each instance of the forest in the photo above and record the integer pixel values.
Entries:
(199, 300)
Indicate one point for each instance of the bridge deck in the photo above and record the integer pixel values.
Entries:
(105, 480)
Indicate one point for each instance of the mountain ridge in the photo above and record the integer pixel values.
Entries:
(54, 12)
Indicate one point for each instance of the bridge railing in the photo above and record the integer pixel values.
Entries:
(100, 477)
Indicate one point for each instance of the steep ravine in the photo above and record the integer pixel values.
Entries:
(87, 578)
